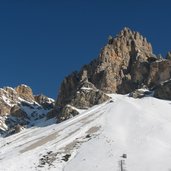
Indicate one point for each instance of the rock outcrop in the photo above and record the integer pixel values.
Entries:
(85, 95)
(18, 106)
(160, 71)
(66, 112)
(44, 101)
(163, 91)
(140, 93)
(124, 65)
(25, 92)
(8, 98)
(18, 112)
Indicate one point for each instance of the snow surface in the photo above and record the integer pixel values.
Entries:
(96, 139)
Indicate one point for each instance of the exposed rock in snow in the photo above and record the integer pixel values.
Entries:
(163, 91)
(86, 95)
(20, 106)
(45, 101)
(139, 93)
(25, 92)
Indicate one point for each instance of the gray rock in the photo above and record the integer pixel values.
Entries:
(18, 128)
(44, 101)
(160, 71)
(66, 113)
(125, 64)
(163, 91)
(84, 96)
(16, 111)
(87, 95)
(137, 94)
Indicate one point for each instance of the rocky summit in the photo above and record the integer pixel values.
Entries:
(126, 63)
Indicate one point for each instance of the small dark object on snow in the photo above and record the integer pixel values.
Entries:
(88, 136)
(111, 101)
(49, 152)
(40, 166)
(66, 157)
(124, 156)
(17, 128)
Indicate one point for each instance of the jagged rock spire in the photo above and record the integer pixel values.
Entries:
(127, 39)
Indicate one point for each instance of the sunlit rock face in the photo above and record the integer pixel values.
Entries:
(163, 91)
(125, 63)
(19, 107)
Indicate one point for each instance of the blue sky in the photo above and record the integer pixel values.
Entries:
(42, 41)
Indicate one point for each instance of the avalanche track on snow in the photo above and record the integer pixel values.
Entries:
(96, 139)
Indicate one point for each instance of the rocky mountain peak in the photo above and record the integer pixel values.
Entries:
(116, 62)
(124, 64)
(129, 42)
(25, 92)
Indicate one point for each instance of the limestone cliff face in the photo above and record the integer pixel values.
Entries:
(8, 98)
(87, 95)
(83, 96)
(163, 91)
(122, 66)
(160, 71)
(125, 64)
(114, 69)
(25, 92)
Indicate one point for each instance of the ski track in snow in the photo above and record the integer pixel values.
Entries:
(96, 139)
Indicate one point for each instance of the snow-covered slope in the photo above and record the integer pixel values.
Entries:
(96, 139)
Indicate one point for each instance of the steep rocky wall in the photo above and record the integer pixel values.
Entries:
(160, 71)
(163, 91)
(122, 66)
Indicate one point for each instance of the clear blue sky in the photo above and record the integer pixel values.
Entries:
(42, 41)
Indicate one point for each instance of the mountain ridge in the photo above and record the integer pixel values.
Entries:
(19, 108)
(124, 65)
